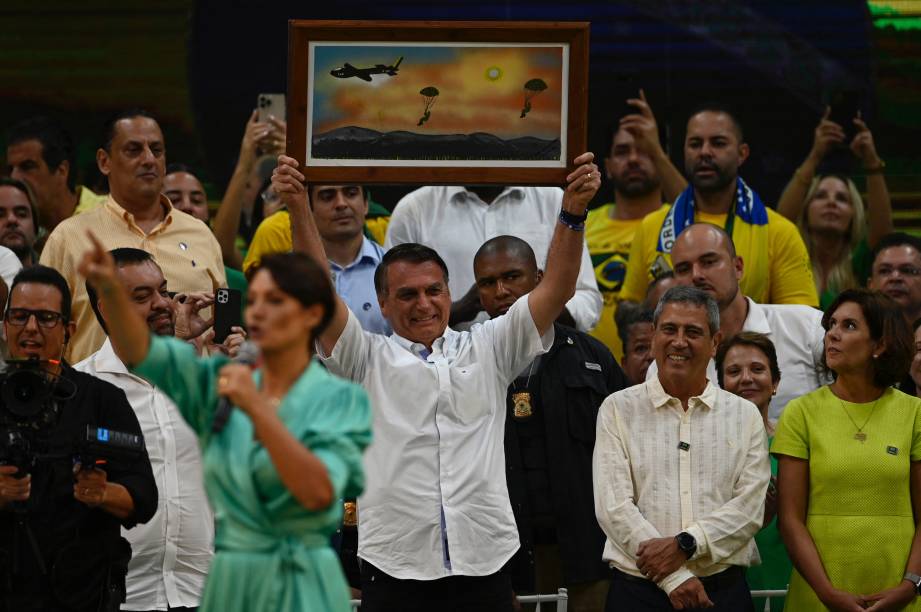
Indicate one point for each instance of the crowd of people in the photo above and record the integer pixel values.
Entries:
(663, 403)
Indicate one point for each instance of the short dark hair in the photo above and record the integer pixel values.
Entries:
(175, 167)
(108, 128)
(44, 275)
(747, 338)
(512, 245)
(887, 324)
(125, 256)
(626, 316)
(724, 109)
(302, 278)
(695, 297)
(57, 143)
(896, 239)
(6, 181)
(410, 252)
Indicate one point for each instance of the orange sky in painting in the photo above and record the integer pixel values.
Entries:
(469, 100)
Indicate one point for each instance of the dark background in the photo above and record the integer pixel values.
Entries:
(200, 65)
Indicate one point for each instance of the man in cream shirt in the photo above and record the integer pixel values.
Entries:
(680, 471)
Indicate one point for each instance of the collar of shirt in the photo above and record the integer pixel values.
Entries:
(115, 208)
(462, 195)
(418, 349)
(107, 362)
(660, 398)
(369, 253)
(756, 321)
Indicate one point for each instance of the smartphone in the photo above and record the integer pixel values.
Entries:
(845, 104)
(627, 86)
(227, 307)
(270, 104)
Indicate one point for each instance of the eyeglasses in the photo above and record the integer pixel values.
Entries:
(906, 270)
(45, 318)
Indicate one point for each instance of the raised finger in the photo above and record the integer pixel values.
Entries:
(827, 112)
(861, 126)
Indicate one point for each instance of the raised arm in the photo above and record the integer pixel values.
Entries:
(642, 126)
(226, 222)
(879, 205)
(127, 330)
(288, 183)
(793, 199)
(564, 257)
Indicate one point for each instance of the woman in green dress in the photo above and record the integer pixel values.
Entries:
(276, 468)
(746, 365)
(850, 468)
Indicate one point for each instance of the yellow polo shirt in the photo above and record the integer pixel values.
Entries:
(184, 247)
(786, 279)
(609, 242)
(88, 200)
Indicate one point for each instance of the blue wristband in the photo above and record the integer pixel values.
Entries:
(573, 222)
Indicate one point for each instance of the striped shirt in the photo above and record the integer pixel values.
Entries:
(184, 247)
(659, 470)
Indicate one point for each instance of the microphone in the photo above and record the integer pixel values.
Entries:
(247, 355)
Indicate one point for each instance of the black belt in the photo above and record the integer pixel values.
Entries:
(718, 581)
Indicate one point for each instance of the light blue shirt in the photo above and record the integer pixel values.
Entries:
(355, 285)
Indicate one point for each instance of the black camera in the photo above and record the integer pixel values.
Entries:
(30, 404)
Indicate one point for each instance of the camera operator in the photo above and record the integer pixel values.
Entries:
(60, 541)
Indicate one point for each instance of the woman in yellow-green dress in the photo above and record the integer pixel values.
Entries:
(850, 468)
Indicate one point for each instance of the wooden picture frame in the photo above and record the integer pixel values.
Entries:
(501, 103)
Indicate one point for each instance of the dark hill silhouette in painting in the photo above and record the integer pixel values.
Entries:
(361, 143)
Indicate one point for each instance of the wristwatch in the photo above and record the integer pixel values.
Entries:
(915, 579)
(686, 543)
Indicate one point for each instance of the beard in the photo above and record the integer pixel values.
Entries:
(20, 248)
(721, 178)
(636, 187)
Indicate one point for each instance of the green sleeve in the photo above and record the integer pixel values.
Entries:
(188, 380)
(792, 435)
(340, 438)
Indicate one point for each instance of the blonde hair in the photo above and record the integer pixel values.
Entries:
(841, 276)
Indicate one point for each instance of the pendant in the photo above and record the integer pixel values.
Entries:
(860, 436)
(522, 409)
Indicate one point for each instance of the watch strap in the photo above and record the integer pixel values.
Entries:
(915, 579)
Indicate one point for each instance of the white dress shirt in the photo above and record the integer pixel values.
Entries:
(456, 222)
(171, 554)
(799, 340)
(647, 487)
(436, 468)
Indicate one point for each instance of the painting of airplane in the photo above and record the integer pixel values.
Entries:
(348, 71)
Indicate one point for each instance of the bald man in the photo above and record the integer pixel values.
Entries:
(704, 256)
(551, 408)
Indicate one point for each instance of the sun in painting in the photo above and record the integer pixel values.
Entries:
(493, 73)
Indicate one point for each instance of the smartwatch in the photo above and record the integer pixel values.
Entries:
(915, 579)
(686, 543)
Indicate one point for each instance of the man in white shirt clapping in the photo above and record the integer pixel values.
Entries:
(435, 525)
(680, 471)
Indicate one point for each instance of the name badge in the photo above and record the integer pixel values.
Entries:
(593, 366)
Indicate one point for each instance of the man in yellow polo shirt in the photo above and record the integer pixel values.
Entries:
(609, 229)
(136, 214)
(777, 267)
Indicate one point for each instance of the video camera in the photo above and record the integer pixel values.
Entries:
(30, 405)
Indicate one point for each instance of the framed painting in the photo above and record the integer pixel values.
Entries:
(437, 102)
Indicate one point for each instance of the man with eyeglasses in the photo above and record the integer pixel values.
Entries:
(896, 272)
(60, 540)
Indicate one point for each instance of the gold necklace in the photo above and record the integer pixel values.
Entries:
(860, 436)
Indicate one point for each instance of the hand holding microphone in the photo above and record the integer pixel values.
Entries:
(236, 386)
